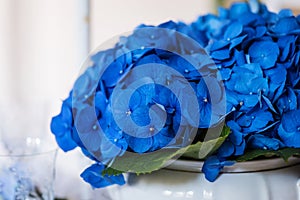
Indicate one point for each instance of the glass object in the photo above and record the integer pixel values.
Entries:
(27, 169)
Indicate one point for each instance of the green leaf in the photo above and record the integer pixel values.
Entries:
(149, 162)
(201, 150)
(143, 163)
(285, 153)
(111, 172)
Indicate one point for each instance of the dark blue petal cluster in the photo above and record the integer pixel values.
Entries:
(212, 167)
(289, 129)
(62, 126)
(94, 176)
(138, 96)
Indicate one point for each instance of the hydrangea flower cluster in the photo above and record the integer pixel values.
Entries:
(248, 58)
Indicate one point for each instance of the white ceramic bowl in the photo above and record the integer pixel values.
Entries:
(270, 179)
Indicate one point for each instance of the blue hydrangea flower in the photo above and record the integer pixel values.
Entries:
(246, 85)
(265, 53)
(131, 99)
(231, 37)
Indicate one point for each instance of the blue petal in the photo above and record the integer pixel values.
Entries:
(236, 41)
(112, 74)
(286, 25)
(100, 101)
(265, 53)
(285, 13)
(236, 137)
(141, 116)
(93, 175)
(65, 141)
(249, 100)
(221, 54)
(239, 9)
(58, 126)
(233, 31)
(245, 121)
(287, 44)
(140, 145)
(226, 149)
(287, 102)
(290, 139)
(240, 149)
(259, 141)
(269, 104)
(260, 31)
(240, 57)
(219, 45)
(212, 167)
(225, 73)
(277, 75)
(261, 120)
(85, 119)
(169, 24)
(291, 121)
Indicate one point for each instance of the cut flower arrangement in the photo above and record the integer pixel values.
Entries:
(223, 89)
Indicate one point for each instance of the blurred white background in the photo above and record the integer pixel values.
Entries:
(42, 46)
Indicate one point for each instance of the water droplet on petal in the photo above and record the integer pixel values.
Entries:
(205, 100)
(121, 72)
(152, 37)
(142, 47)
(265, 148)
(241, 103)
(186, 71)
(251, 93)
(298, 128)
(115, 140)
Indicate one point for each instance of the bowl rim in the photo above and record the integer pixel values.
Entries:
(238, 167)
